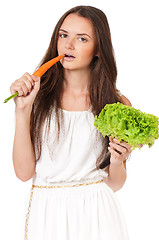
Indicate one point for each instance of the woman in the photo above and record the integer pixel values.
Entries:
(75, 170)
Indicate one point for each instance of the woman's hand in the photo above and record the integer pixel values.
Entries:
(27, 87)
(119, 150)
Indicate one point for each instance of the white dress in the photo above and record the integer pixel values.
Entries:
(87, 212)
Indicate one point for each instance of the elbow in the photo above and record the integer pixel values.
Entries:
(115, 186)
(119, 186)
(24, 173)
(25, 178)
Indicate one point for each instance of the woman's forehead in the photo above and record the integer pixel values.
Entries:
(77, 25)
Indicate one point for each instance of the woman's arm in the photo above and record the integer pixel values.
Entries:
(116, 176)
(117, 168)
(23, 154)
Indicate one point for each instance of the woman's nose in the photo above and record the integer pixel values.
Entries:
(70, 44)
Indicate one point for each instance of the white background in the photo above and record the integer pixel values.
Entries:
(26, 29)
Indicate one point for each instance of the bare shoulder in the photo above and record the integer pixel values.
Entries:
(125, 100)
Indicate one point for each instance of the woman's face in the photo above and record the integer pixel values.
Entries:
(77, 39)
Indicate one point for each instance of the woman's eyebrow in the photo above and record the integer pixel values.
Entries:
(79, 34)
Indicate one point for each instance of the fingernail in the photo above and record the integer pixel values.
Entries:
(36, 78)
(110, 138)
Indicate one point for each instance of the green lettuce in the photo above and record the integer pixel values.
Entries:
(127, 124)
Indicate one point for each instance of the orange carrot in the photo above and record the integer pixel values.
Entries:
(47, 65)
(39, 72)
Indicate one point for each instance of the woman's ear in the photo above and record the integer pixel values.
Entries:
(97, 54)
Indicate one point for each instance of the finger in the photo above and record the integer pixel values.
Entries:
(140, 145)
(22, 88)
(16, 87)
(115, 154)
(25, 84)
(124, 144)
(119, 148)
(110, 138)
(28, 84)
(29, 78)
(35, 78)
(20, 91)
(12, 89)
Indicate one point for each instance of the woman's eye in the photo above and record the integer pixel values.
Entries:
(82, 39)
(63, 35)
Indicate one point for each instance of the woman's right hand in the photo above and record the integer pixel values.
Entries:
(27, 86)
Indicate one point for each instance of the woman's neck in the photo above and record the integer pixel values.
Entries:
(76, 82)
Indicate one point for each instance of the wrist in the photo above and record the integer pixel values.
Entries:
(116, 163)
(23, 111)
(23, 115)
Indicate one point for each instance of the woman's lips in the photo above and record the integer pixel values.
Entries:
(69, 57)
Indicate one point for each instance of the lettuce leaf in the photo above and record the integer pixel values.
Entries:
(127, 124)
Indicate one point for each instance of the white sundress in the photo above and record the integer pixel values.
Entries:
(87, 212)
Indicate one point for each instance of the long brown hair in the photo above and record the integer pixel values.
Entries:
(102, 88)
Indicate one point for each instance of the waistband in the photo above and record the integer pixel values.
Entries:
(39, 183)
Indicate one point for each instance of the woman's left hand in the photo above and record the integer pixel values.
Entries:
(119, 150)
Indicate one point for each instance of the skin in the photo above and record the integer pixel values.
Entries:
(76, 72)
(119, 150)
(76, 95)
(77, 38)
(81, 46)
